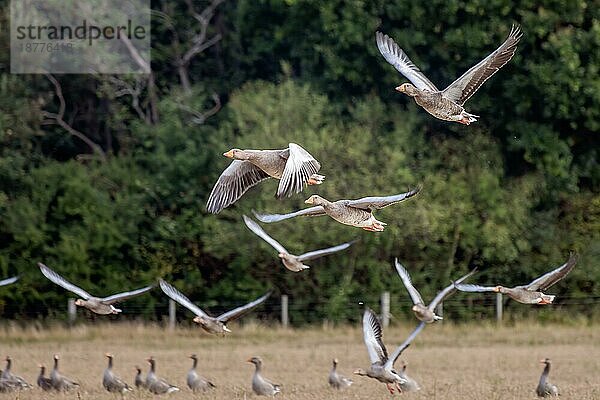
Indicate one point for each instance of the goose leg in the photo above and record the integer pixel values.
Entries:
(390, 388)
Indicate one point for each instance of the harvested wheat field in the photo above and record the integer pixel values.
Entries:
(450, 362)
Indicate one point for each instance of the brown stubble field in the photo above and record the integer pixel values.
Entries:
(450, 362)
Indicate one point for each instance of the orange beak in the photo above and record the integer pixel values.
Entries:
(400, 88)
(542, 361)
(228, 154)
(249, 360)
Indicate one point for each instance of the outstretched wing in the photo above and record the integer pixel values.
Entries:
(311, 255)
(398, 58)
(447, 291)
(306, 212)
(125, 295)
(60, 281)
(243, 310)
(474, 288)
(181, 299)
(372, 334)
(414, 294)
(298, 169)
(233, 183)
(9, 281)
(549, 279)
(464, 87)
(390, 362)
(376, 203)
(256, 228)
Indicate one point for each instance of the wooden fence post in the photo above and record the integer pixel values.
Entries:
(385, 309)
(71, 311)
(172, 314)
(499, 304)
(285, 317)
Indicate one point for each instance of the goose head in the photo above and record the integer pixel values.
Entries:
(315, 199)
(236, 154)
(408, 89)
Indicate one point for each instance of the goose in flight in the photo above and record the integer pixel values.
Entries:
(293, 166)
(447, 104)
(531, 293)
(422, 312)
(215, 325)
(382, 366)
(290, 261)
(358, 213)
(99, 305)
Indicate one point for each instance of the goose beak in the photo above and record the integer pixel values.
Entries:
(400, 89)
(309, 201)
(249, 360)
(228, 154)
(542, 361)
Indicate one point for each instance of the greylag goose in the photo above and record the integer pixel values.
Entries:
(59, 381)
(382, 366)
(215, 325)
(197, 382)
(358, 213)
(337, 380)
(411, 385)
(422, 312)
(293, 166)
(155, 384)
(9, 281)
(447, 104)
(98, 305)
(140, 383)
(111, 382)
(8, 376)
(42, 381)
(260, 385)
(531, 293)
(290, 261)
(545, 388)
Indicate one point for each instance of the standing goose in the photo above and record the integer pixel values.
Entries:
(531, 293)
(155, 384)
(42, 381)
(290, 261)
(111, 382)
(196, 382)
(140, 383)
(447, 104)
(336, 380)
(422, 312)
(59, 381)
(382, 366)
(358, 213)
(411, 385)
(9, 281)
(98, 305)
(8, 376)
(293, 166)
(215, 325)
(545, 388)
(260, 385)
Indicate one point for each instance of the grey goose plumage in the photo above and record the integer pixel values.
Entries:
(112, 382)
(545, 388)
(261, 385)
(59, 381)
(293, 166)
(155, 384)
(337, 380)
(357, 213)
(447, 104)
(195, 381)
(44, 382)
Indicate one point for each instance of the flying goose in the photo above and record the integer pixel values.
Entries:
(337, 380)
(8, 376)
(290, 261)
(44, 383)
(260, 385)
(111, 382)
(140, 383)
(531, 293)
(59, 381)
(215, 325)
(545, 388)
(382, 366)
(98, 305)
(197, 382)
(422, 312)
(293, 166)
(9, 281)
(155, 384)
(447, 104)
(358, 213)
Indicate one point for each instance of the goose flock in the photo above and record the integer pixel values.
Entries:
(296, 168)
